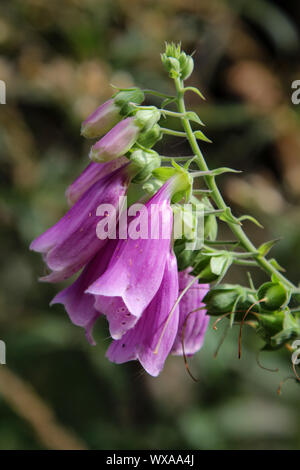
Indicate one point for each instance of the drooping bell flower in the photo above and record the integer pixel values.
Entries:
(92, 173)
(135, 271)
(116, 142)
(73, 241)
(121, 138)
(80, 306)
(102, 120)
(193, 320)
(151, 340)
(111, 112)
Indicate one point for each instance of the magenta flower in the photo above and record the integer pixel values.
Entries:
(92, 173)
(151, 340)
(116, 142)
(73, 241)
(135, 271)
(102, 120)
(192, 324)
(80, 306)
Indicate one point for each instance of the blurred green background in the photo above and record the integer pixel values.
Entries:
(58, 60)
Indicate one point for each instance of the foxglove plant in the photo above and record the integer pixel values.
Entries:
(157, 291)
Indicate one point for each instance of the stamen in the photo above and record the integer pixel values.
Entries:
(263, 367)
(223, 337)
(290, 377)
(183, 348)
(241, 325)
(173, 310)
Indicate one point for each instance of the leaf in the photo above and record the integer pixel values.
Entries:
(192, 116)
(217, 264)
(228, 217)
(201, 136)
(195, 90)
(167, 101)
(276, 265)
(252, 219)
(220, 171)
(264, 249)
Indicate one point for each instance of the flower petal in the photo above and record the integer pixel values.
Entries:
(116, 142)
(73, 241)
(117, 314)
(192, 324)
(151, 340)
(92, 173)
(80, 306)
(101, 120)
(137, 266)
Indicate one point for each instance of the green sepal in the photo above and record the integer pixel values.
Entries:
(184, 257)
(202, 269)
(150, 137)
(146, 162)
(125, 96)
(275, 295)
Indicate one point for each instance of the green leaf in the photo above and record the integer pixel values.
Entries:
(227, 216)
(252, 219)
(192, 116)
(167, 101)
(201, 136)
(264, 249)
(220, 171)
(276, 265)
(194, 90)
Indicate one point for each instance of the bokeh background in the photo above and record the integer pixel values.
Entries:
(58, 60)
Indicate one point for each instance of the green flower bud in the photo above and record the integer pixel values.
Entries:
(202, 269)
(150, 137)
(146, 162)
(188, 68)
(147, 118)
(152, 186)
(274, 295)
(176, 62)
(123, 98)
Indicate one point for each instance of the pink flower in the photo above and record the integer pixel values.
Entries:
(193, 320)
(116, 142)
(102, 120)
(149, 341)
(73, 241)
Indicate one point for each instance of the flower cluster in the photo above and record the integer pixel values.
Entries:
(152, 280)
(134, 282)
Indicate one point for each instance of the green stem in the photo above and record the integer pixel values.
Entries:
(216, 195)
(157, 93)
(171, 132)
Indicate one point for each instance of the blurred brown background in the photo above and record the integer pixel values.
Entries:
(58, 60)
